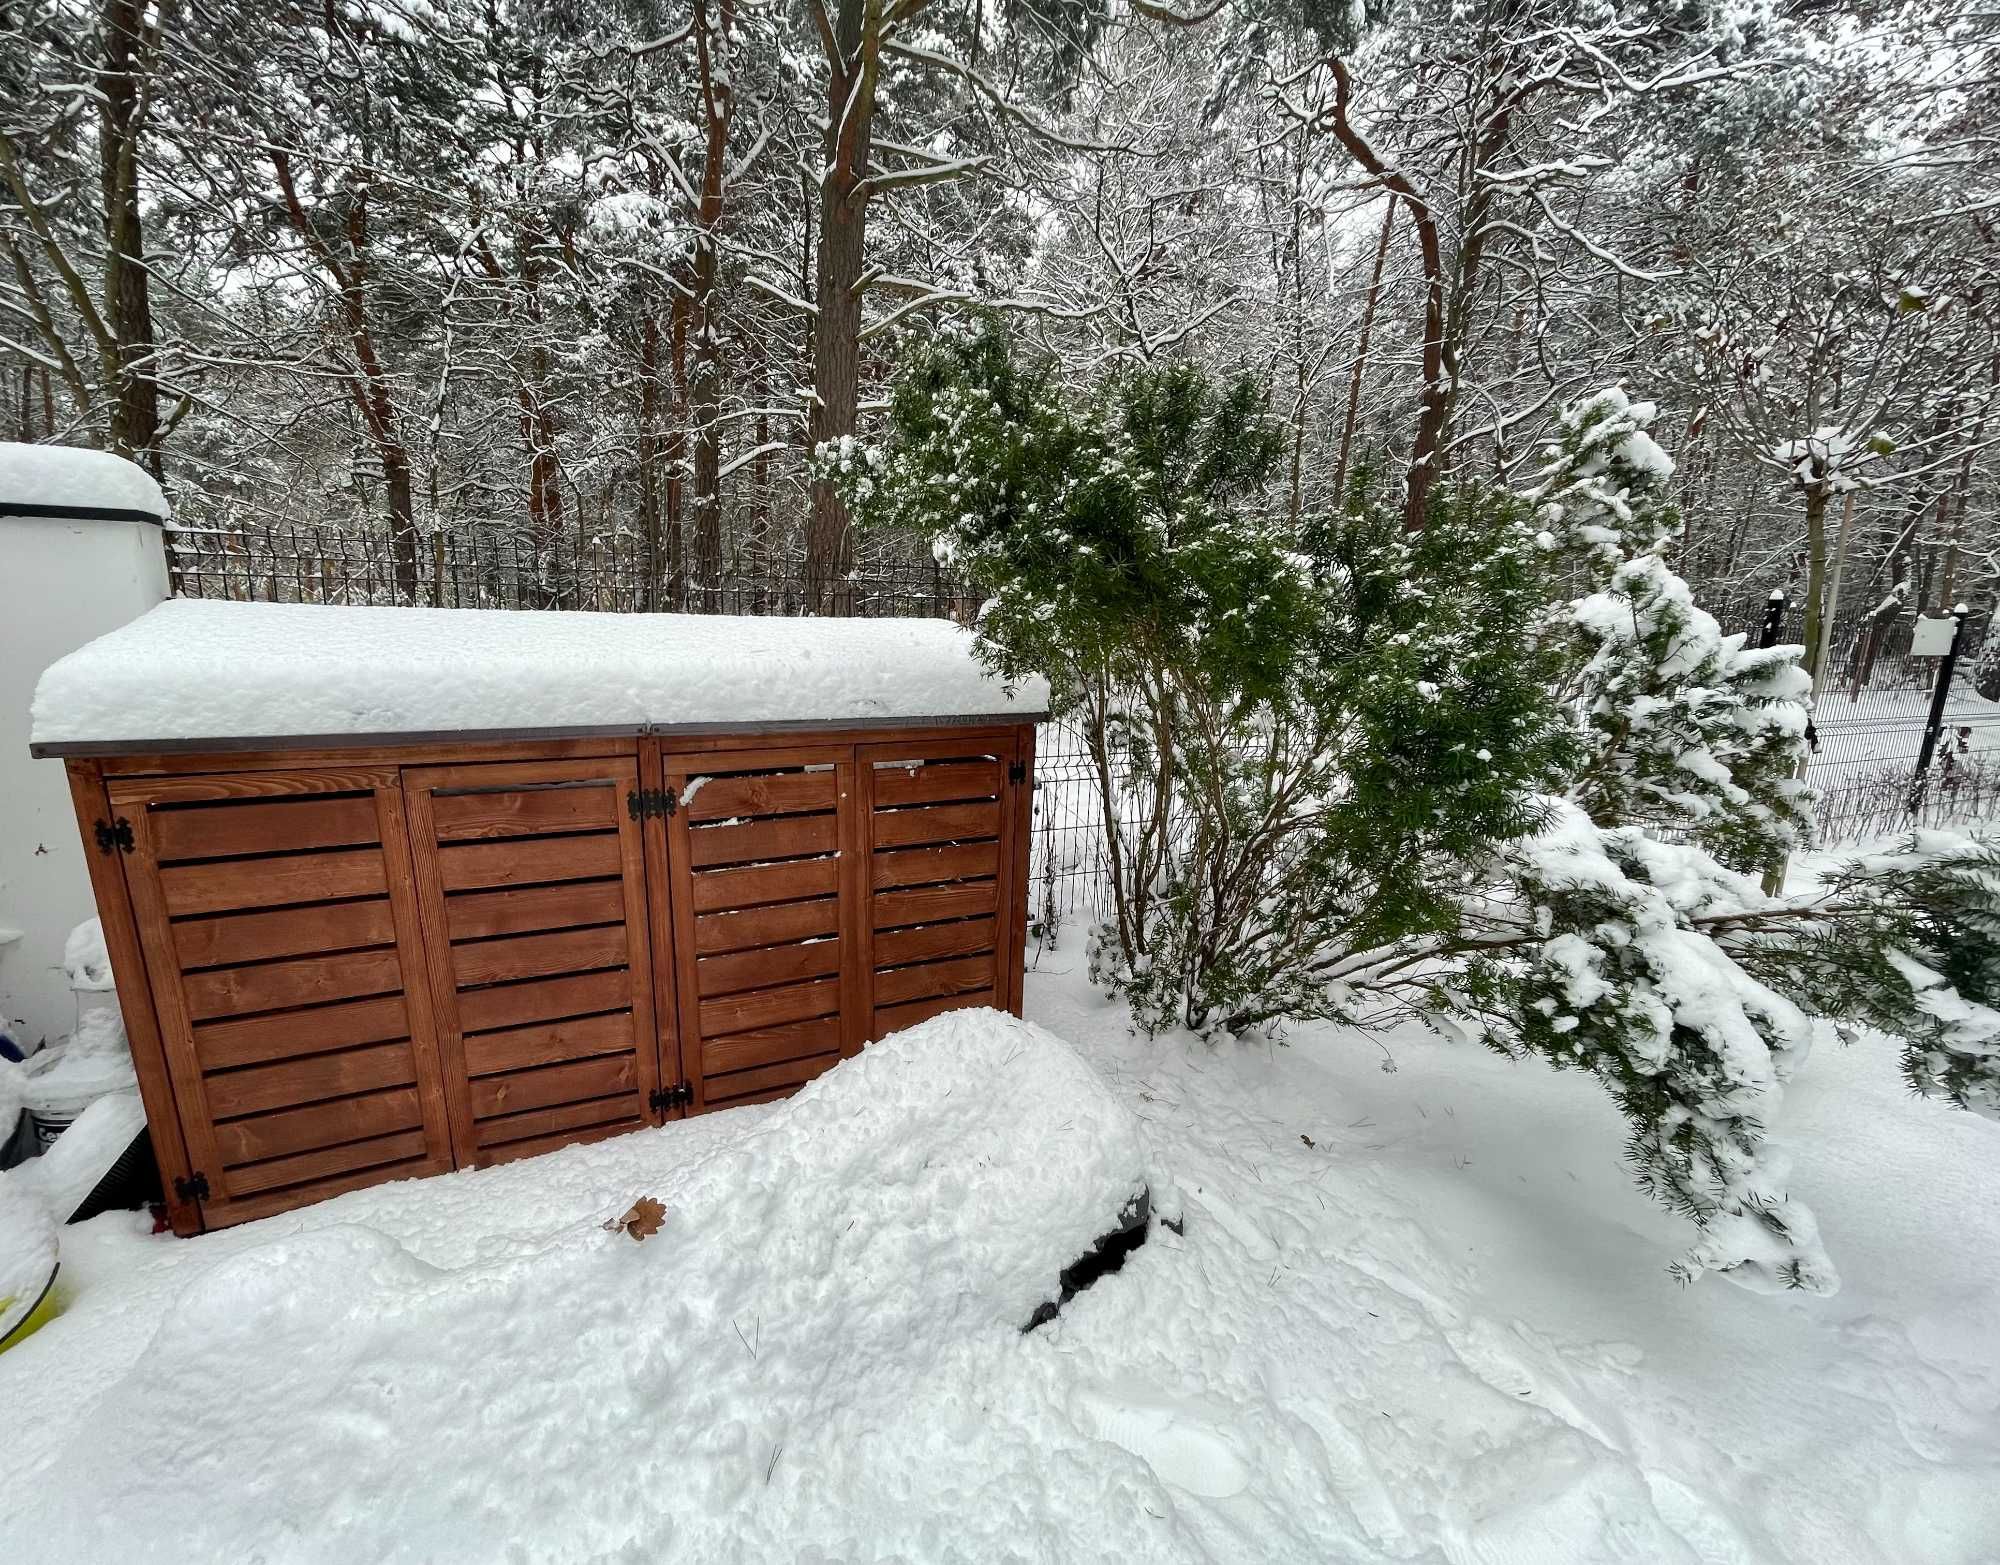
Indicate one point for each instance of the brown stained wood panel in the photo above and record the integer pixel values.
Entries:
(274, 986)
(773, 924)
(769, 965)
(222, 939)
(620, 1109)
(733, 888)
(769, 1045)
(927, 904)
(543, 1000)
(785, 793)
(210, 831)
(284, 1132)
(231, 885)
(223, 1211)
(925, 866)
(539, 956)
(258, 1088)
(935, 783)
(548, 1043)
(523, 861)
(936, 823)
(894, 1018)
(234, 778)
(254, 1040)
(768, 1008)
(723, 1090)
(525, 812)
(534, 1146)
(781, 837)
(553, 1084)
(751, 1100)
(928, 942)
(932, 979)
(521, 910)
(348, 1157)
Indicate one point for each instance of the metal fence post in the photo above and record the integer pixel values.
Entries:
(1939, 696)
(1774, 619)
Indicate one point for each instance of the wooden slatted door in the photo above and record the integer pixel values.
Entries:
(764, 907)
(945, 828)
(281, 936)
(531, 878)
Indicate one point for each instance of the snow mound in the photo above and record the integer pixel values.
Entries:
(54, 478)
(805, 1317)
(190, 669)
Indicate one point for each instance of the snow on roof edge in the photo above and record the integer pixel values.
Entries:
(58, 480)
(192, 674)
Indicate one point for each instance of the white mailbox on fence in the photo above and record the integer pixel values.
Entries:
(1931, 638)
(81, 553)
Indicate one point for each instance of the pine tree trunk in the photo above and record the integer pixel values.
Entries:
(135, 410)
(649, 460)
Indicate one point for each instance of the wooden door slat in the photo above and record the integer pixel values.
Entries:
(525, 812)
(769, 1045)
(263, 1039)
(539, 956)
(933, 978)
(224, 939)
(927, 942)
(544, 1000)
(937, 823)
(552, 1084)
(773, 924)
(223, 1210)
(928, 904)
(290, 1083)
(768, 965)
(769, 1007)
(935, 782)
(730, 888)
(924, 866)
(619, 1108)
(533, 1146)
(273, 986)
(790, 1073)
(278, 826)
(786, 793)
(231, 885)
(522, 910)
(550, 1043)
(346, 1158)
(522, 860)
(782, 837)
(287, 1131)
(894, 1018)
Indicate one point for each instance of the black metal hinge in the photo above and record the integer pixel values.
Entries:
(1017, 771)
(192, 1189)
(680, 1095)
(115, 834)
(651, 803)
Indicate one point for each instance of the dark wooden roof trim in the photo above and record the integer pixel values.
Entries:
(79, 513)
(811, 725)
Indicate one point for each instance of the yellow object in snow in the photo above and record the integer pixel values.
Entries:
(45, 1308)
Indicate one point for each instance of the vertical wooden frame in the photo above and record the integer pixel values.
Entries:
(1021, 811)
(129, 970)
(413, 952)
(674, 1065)
(857, 921)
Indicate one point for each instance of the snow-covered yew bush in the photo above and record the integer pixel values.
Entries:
(1354, 773)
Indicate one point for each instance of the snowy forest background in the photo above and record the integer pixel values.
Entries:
(579, 283)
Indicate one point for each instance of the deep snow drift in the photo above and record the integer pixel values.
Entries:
(1418, 1315)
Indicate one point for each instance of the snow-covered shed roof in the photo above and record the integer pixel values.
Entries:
(193, 670)
(67, 481)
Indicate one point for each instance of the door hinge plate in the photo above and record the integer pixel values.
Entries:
(651, 803)
(678, 1096)
(1017, 771)
(115, 834)
(194, 1187)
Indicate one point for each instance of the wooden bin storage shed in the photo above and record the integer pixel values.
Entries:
(394, 891)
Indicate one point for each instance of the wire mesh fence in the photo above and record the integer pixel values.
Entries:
(497, 568)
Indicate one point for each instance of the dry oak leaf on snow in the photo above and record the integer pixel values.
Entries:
(641, 1220)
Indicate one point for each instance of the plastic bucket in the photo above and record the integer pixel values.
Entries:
(37, 1315)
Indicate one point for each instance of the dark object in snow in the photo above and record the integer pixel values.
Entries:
(1107, 1255)
(131, 1182)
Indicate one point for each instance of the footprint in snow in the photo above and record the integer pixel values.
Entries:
(1185, 1442)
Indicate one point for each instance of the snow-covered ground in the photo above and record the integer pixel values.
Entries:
(1417, 1314)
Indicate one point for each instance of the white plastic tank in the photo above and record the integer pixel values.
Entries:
(81, 553)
